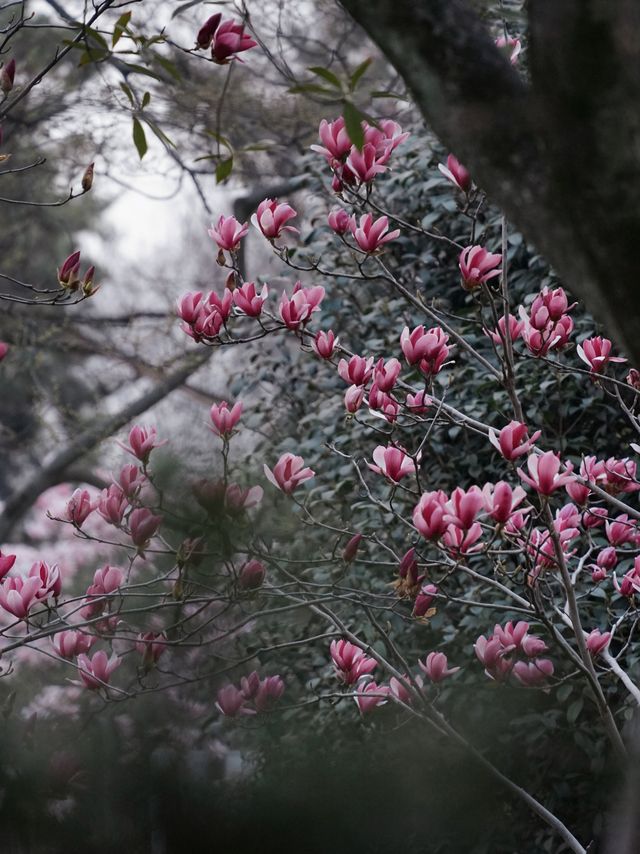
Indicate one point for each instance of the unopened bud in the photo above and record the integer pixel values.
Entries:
(351, 549)
(7, 75)
(68, 273)
(87, 178)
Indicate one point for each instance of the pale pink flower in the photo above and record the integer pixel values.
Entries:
(339, 221)
(19, 594)
(463, 507)
(143, 525)
(69, 644)
(325, 343)
(370, 235)
(336, 144)
(392, 462)
(418, 403)
(595, 352)
(288, 473)
(113, 504)
(79, 506)
(534, 673)
(357, 371)
(248, 300)
(455, 172)
(151, 645)
(228, 233)
(353, 398)
(429, 515)
(96, 671)
(385, 374)
(271, 218)
(545, 475)
(498, 335)
(231, 702)
(49, 578)
(374, 695)
(224, 419)
(142, 440)
(428, 349)
(436, 667)
(597, 642)
(478, 266)
(350, 662)
(513, 440)
(368, 163)
(296, 310)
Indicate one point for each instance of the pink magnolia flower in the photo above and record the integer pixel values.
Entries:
(392, 462)
(106, 581)
(357, 371)
(131, 480)
(228, 233)
(143, 525)
(429, 515)
(270, 689)
(428, 349)
(230, 39)
(238, 499)
(350, 662)
(607, 558)
(142, 440)
(511, 46)
(113, 504)
(219, 305)
(531, 674)
(207, 31)
(498, 335)
(386, 137)
(478, 266)
(463, 507)
(370, 235)
(501, 500)
(68, 272)
(455, 172)
(19, 594)
(418, 403)
(325, 343)
(633, 379)
(545, 474)
(251, 575)
(151, 645)
(436, 668)
(296, 310)
(224, 419)
(353, 398)
(368, 163)
(513, 440)
(595, 352)
(231, 702)
(48, 578)
(96, 671)
(385, 404)
(621, 530)
(424, 600)
(350, 551)
(462, 541)
(248, 300)
(597, 642)
(385, 374)
(271, 218)
(618, 476)
(79, 506)
(6, 562)
(288, 473)
(189, 306)
(339, 221)
(336, 144)
(398, 691)
(69, 644)
(370, 696)
(4, 349)
(549, 305)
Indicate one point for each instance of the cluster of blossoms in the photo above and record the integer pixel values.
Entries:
(19, 594)
(254, 695)
(352, 167)
(369, 234)
(225, 38)
(512, 650)
(69, 276)
(353, 667)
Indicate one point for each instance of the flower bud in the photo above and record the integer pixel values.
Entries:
(351, 549)
(87, 178)
(7, 75)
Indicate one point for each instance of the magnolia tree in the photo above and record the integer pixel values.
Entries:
(549, 544)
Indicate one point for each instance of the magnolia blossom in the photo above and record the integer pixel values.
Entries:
(545, 474)
(231, 702)
(230, 39)
(478, 266)
(424, 600)
(7, 76)
(429, 515)
(251, 575)
(339, 221)
(96, 671)
(597, 642)
(595, 352)
(513, 440)
(248, 300)
(336, 144)
(357, 371)
(384, 404)
(368, 163)
(228, 233)
(532, 674)
(385, 374)
(143, 525)
(271, 218)
(207, 31)
(370, 696)
(418, 403)
(79, 506)
(392, 462)
(288, 473)
(463, 507)
(50, 582)
(353, 398)
(350, 662)
(370, 235)
(351, 549)
(511, 46)
(436, 668)
(455, 172)
(462, 541)
(238, 499)
(225, 419)
(498, 336)
(142, 440)
(69, 644)
(131, 480)
(502, 653)
(19, 594)
(113, 504)
(325, 344)
(6, 562)
(501, 500)
(151, 645)
(296, 310)
(428, 349)
(621, 530)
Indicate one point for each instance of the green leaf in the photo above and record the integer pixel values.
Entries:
(93, 55)
(168, 66)
(139, 138)
(357, 74)
(313, 88)
(127, 91)
(219, 138)
(160, 134)
(140, 69)
(353, 123)
(146, 98)
(224, 169)
(120, 27)
(574, 710)
(327, 75)
(97, 37)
